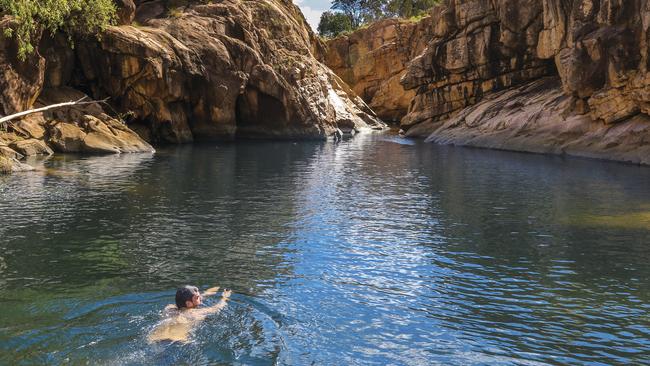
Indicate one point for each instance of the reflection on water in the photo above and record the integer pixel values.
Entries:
(376, 250)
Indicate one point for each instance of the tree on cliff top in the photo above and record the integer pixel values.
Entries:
(353, 9)
(333, 23)
(409, 8)
(82, 17)
(361, 12)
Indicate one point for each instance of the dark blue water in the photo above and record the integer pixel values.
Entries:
(373, 251)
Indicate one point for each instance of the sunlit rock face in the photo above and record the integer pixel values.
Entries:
(597, 47)
(477, 47)
(212, 71)
(453, 64)
(179, 71)
(37, 81)
(372, 61)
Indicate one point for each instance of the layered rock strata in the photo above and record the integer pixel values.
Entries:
(532, 118)
(222, 70)
(177, 71)
(372, 61)
(598, 48)
(477, 50)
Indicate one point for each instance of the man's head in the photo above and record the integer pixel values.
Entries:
(188, 297)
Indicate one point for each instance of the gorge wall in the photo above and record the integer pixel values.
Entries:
(559, 76)
(177, 71)
(372, 61)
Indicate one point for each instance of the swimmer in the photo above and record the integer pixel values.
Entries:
(185, 315)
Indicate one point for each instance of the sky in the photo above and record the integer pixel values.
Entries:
(312, 9)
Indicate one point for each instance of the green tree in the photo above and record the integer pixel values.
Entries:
(409, 8)
(353, 9)
(333, 23)
(83, 17)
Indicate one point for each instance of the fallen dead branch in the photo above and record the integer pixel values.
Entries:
(81, 101)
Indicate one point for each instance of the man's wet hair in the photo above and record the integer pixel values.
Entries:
(184, 294)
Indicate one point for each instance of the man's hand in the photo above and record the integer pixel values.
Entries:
(226, 294)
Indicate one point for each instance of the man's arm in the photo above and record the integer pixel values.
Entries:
(200, 314)
(211, 291)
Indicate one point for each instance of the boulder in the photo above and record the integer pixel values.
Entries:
(10, 153)
(86, 128)
(66, 137)
(6, 165)
(31, 147)
(31, 126)
(12, 165)
(109, 136)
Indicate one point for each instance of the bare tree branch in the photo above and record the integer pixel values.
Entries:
(81, 101)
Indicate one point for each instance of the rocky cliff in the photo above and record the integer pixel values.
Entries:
(562, 76)
(176, 71)
(372, 61)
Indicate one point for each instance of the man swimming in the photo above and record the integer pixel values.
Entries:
(185, 315)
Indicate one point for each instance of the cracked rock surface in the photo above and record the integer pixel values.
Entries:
(474, 51)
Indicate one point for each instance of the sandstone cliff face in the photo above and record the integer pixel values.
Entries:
(372, 61)
(177, 71)
(24, 85)
(20, 82)
(477, 50)
(214, 71)
(533, 118)
(598, 48)
(477, 47)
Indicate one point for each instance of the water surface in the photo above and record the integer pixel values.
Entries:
(373, 251)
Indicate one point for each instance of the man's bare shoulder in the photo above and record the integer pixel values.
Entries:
(170, 310)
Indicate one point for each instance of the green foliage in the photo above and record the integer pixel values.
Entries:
(353, 9)
(409, 8)
(360, 12)
(82, 17)
(333, 23)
